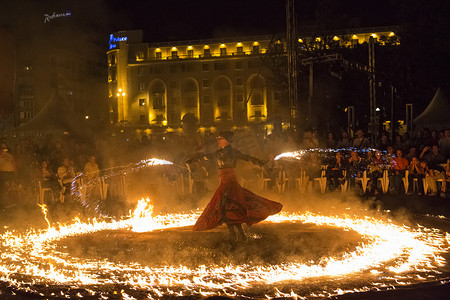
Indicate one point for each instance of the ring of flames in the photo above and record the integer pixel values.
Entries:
(34, 255)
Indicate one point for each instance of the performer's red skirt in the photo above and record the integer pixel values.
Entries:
(233, 204)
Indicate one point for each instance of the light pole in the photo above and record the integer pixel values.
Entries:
(121, 93)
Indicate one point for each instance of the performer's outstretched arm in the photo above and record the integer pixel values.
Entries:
(249, 158)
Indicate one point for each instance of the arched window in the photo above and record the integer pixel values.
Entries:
(158, 92)
(189, 94)
(222, 91)
(257, 93)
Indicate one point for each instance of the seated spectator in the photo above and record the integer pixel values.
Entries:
(415, 171)
(398, 167)
(335, 172)
(355, 167)
(390, 155)
(48, 178)
(429, 178)
(66, 174)
(361, 141)
(344, 142)
(313, 167)
(375, 171)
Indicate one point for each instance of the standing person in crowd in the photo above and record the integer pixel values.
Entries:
(310, 141)
(398, 142)
(412, 153)
(232, 204)
(91, 170)
(398, 167)
(331, 142)
(444, 144)
(434, 157)
(7, 171)
(415, 172)
(92, 178)
(344, 142)
(361, 141)
(384, 142)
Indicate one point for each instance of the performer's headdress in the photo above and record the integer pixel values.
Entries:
(228, 135)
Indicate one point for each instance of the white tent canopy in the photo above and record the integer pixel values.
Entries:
(437, 114)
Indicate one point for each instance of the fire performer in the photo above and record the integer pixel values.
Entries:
(231, 203)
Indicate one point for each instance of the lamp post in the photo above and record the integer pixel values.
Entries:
(121, 93)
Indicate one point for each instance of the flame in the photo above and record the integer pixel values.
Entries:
(44, 211)
(408, 251)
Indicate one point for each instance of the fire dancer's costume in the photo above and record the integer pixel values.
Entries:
(231, 203)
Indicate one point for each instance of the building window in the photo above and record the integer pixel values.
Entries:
(140, 70)
(174, 54)
(223, 51)
(238, 65)
(239, 81)
(173, 68)
(205, 83)
(239, 98)
(257, 99)
(158, 55)
(141, 86)
(173, 84)
(220, 66)
(158, 102)
(190, 53)
(141, 102)
(190, 101)
(240, 50)
(142, 118)
(255, 49)
(223, 101)
(139, 56)
(206, 99)
(112, 60)
(187, 68)
(205, 67)
(207, 52)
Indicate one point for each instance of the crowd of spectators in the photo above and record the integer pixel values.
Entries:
(29, 165)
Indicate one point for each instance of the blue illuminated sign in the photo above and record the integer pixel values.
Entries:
(113, 40)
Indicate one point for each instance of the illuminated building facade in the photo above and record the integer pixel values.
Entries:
(217, 80)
